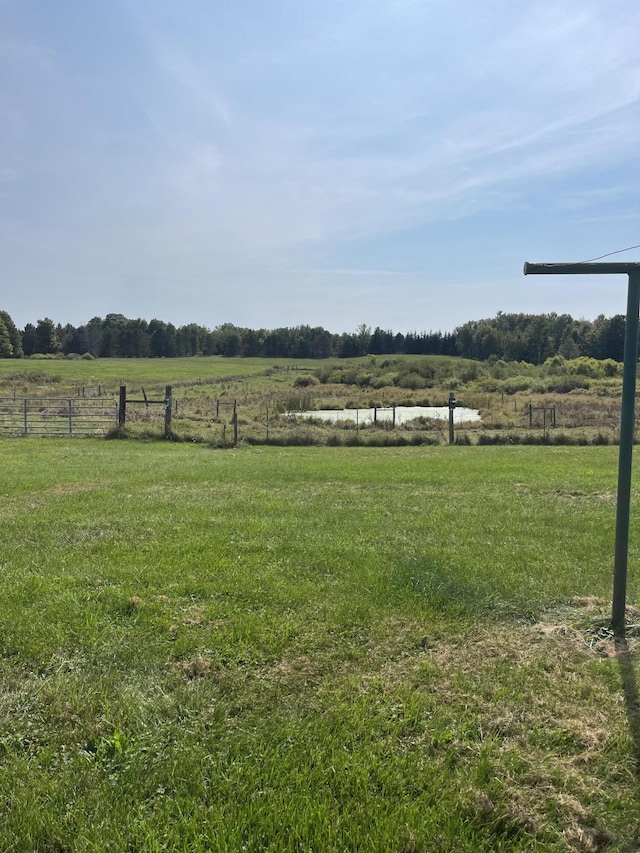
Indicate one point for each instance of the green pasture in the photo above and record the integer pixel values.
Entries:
(313, 649)
(132, 371)
(66, 373)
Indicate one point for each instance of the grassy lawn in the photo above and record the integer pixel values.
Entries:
(327, 649)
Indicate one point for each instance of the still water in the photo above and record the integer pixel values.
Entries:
(403, 414)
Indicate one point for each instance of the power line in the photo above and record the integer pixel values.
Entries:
(608, 254)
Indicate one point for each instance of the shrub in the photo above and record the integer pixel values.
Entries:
(384, 380)
(306, 380)
(601, 438)
(462, 438)
(498, 438)
(564, 384)
(611, 367)
(585, 366)
(499, 369)
(364, 379)
(470, 372)
(412, 381)
(555, 365)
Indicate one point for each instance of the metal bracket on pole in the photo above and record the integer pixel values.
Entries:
(627, 415)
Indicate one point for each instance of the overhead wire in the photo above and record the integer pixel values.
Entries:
(608, 254)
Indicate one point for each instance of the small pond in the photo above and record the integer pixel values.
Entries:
(403, 414)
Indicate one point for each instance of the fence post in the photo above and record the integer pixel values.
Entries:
(122, 408)
(167, 412)
(26, 427)
(452, 405)
(70, 410)
(235, 423)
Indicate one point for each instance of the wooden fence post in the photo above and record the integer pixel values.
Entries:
(167, 412)
(235, 423)
(122, 407)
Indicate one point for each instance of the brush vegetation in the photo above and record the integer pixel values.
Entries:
(296, 649)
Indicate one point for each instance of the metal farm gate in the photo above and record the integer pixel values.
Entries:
(57, 416)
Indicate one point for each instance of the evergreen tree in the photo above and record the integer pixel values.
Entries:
(46, 338)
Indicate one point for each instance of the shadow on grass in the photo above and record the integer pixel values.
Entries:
(631, 697)
(450, 591)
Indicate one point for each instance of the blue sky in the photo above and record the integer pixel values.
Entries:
(324, 162)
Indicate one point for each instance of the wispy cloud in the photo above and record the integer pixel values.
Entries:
(204, 141)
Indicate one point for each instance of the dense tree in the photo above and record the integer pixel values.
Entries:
(162, 341)
(94, 336)
(532, 338)
(191, 340)
(320, 344)
(381, 342)
(46, 338)
(14, 335)
(29, 339)
(6, 348)
(251, 343)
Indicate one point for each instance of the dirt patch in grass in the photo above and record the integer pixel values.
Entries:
(578, 493)
(585, 625)
(194, 615)
(197, 667)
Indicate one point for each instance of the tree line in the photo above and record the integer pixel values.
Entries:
(512, 337)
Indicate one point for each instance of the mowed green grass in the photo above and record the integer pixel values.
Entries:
(140, 371)
(327, 649)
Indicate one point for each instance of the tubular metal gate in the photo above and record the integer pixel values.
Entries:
(57, 416)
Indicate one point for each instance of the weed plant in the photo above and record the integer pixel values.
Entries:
(287, 649)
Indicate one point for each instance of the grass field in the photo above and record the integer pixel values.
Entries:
(327, 649)
(133, 371)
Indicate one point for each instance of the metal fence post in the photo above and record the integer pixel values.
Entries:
(627, 418)
(452, 406)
